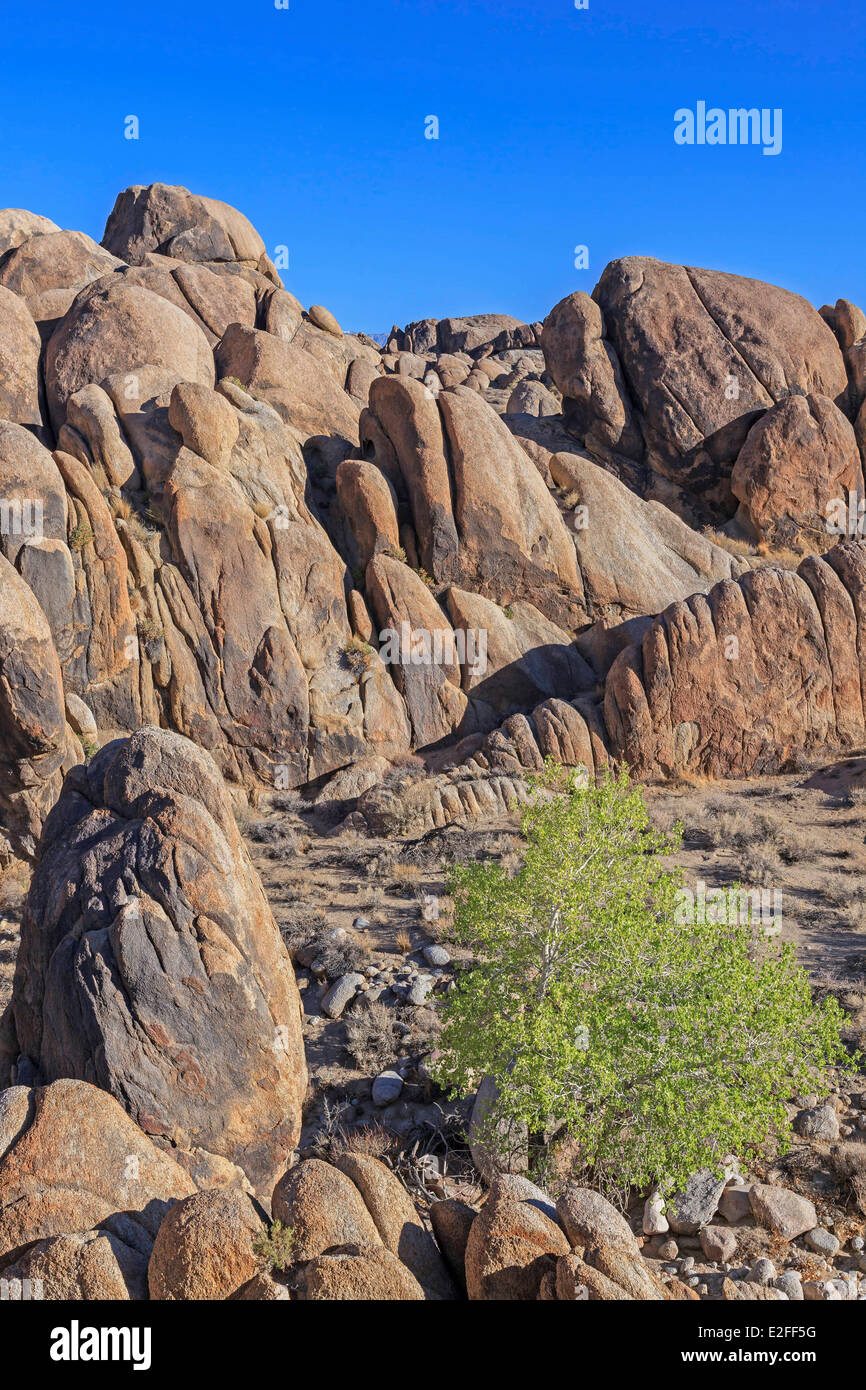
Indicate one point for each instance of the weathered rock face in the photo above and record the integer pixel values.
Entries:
(20, 346)
(740, 680)
(102, 662)
(150, 963)
(701, 351)
(476, 503)
(204, 1247)
(587, 372)
(118, 327)
(514, 543)
(33, 733)
(239, 594)
(357, 1206)
(511, 1246)
(635, 556)
(72, 1160)
(34, 512)
(86, 1265)
(47, 270)
(434, 700)
(797, 459)
(398, 1223)
(360, 1274)
(174, 222)
(479, 330)
(311, 401)
(412, 806)
(406, 414)
(527, 657)
(368, 502)
(16, 225)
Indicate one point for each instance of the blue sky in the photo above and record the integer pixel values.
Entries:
(556, 130)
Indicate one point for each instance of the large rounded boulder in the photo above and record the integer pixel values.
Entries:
(151, 965)
(119, 327)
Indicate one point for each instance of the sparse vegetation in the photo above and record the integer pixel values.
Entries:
(80, 536)
(370, 1037)
(149, 628)
(274, 1246)
(657, 1046)
(358, 655)
(89, 748)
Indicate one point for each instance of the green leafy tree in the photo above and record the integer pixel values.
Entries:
(655, 1045)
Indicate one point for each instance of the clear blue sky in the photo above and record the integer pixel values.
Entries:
(556, 129)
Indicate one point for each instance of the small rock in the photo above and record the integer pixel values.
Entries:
(734, 1202)
(763, 1271)
(857, 1243)
(430, 908)
(669, 1250)
(790, 1283)
(419, 990)
(436, 955)
(324, 319)
(821, 1122)
(340, 993)
(718, 1243)
(361, 923)
(696, 1206)
(782, 1211)
(655, 1223)
(817, 1291)
(387, 1087)
(822, 1242)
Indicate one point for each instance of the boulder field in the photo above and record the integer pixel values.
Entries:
(215, 502)
(244, 553)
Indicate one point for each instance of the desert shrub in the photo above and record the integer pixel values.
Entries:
(371, 1140)
(358, 655)
(274, 1246)
(80, 536)
(88, 747)
(341, 958)
(849, 1163)
(370, 1037)
(282, 841)
(149, 628)
(301, 925)
(405, 879)
(658, 1044)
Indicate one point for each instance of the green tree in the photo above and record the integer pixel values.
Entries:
(654, 1044)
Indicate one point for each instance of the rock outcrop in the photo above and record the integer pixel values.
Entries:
(36, 744)
(243, 499)
(797, 460)
(357, 1209)
(72, 1161)
(742, 680)
(151, 966)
